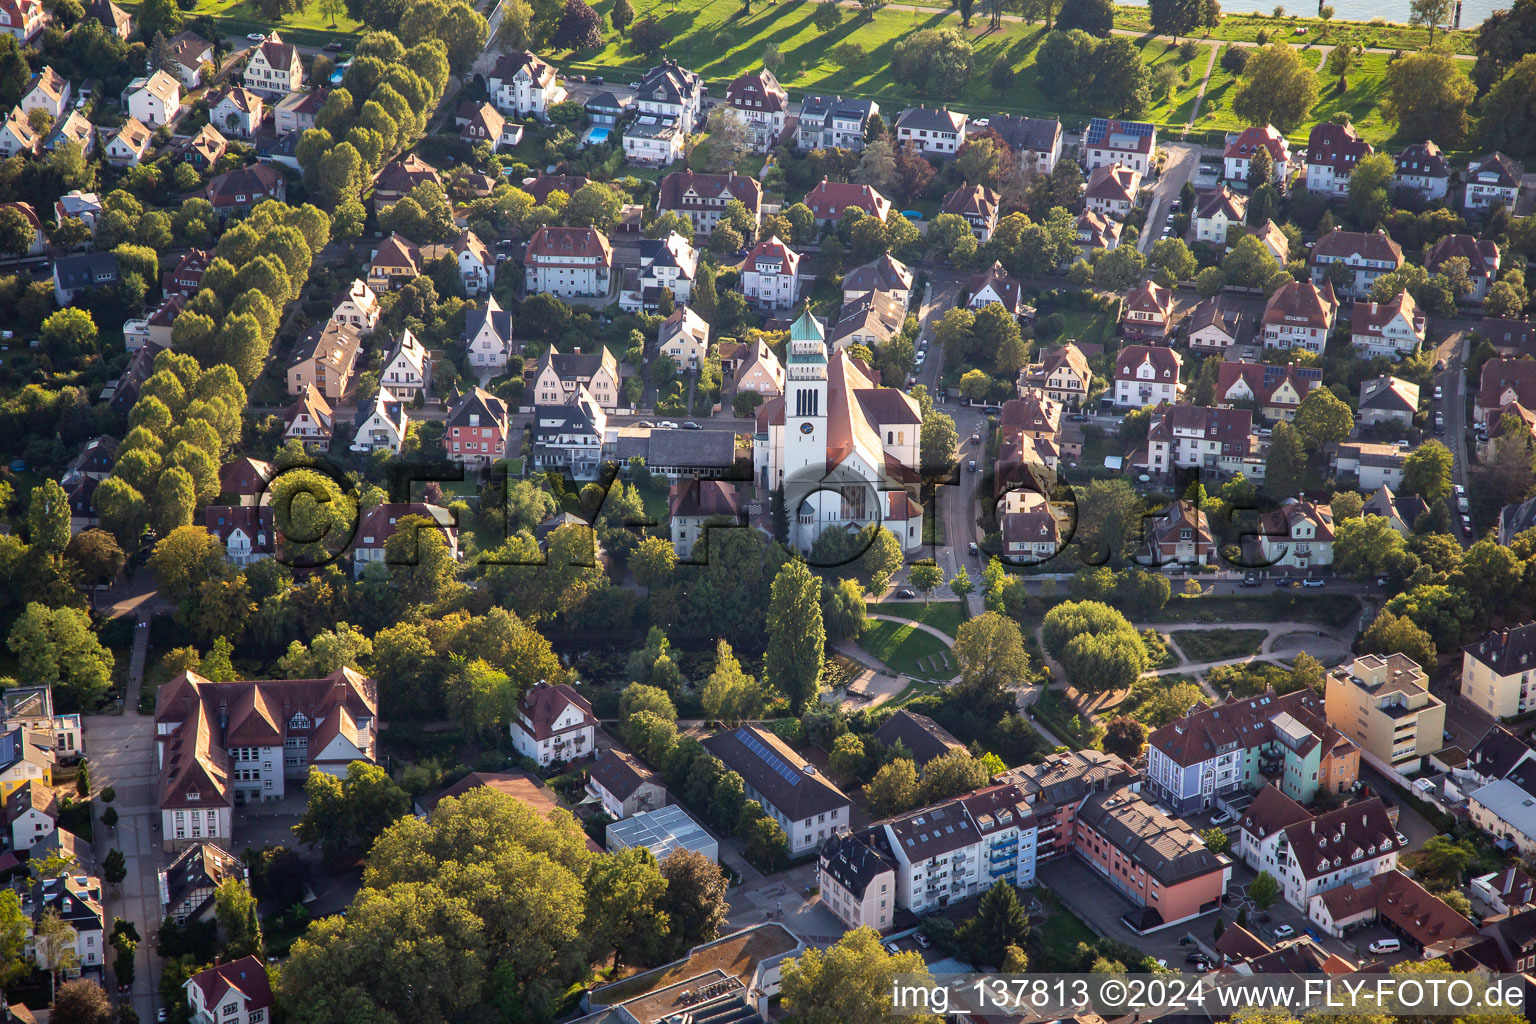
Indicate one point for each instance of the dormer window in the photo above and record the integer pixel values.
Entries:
(299, 721)
(194, 795)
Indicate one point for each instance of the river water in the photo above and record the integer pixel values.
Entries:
(1472, 11)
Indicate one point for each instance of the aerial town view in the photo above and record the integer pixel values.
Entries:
(728, 511)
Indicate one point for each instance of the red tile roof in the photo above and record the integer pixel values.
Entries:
(247, 976)
(543, 704)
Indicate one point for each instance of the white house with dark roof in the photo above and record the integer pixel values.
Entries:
(1492, 179)
(554, 723)
(670, 263)
(1497, 671)
(237, 992)
(702, 197)
(684, 338)
(190, 52)
(1299, 315)
(245, 531)
(770, 276)
(569, 435)
(886, 274)
(938, 131)
(235, 111)
(488, 335)
(762, 103)
(381, 424)
(1423, 169)
(1216, 211)
(1333, 150)
(523, 83)
(671, 91)
(1146, 375)
(568, 262)
(807, 806)
(275, 68)
(624, 786)
(834, 122)
(1388, 400)
(188, 884)
(1037, 140)
(694, 502)
(979, 206)
(1366, 254)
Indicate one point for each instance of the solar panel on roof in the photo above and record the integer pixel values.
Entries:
(768, 757)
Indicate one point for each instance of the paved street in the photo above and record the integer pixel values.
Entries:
(1180, 166)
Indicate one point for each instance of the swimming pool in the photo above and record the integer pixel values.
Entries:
(599, 134)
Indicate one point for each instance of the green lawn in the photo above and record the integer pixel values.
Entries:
(915, 690)
(1246, 28)
(902, 646)
(944, 616)
(1052, 942)
(1085, 325)
(1219, 644)
(1174, 110)
(238, 17)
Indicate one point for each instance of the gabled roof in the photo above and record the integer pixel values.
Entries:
(1423, 159)
(552, 245)
(1150, 297)
(1481, 254)
(973, 201)
(280, 56)
(49, 82)
(1166, 848)
(932, 119)
(831, 198)
(1264, 379)
(247, 977)
(621, 774)
(201, 866)
(1370, 318)
(1342, 837)
(1376, 245)
(1271, 811)
(1498, 752)
(1336, 145)
(1036, 134)
(541, 186)
(924, 738)
(1499, 169)
(1247, 141)
(1504, 375)
(509, 64)
(1302, 304)
(477, 402)
(885, 274)
(768, 765)
(1224, 201)
(543, 705)
(1114, 183)
(1389, 394)
(159, 85)
(1237, 723)
(1164, 362)
(757, 90)
(255, 521)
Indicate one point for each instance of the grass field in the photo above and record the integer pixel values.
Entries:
(944, 616)
(1246, 28)
(902, 646)
(1219, 644)
(1175, 109)
(238, 17)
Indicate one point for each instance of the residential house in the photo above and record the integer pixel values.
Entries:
(1384, 705)
(568, 262)
(190, 52)
(936, 131)
(886, 274)
(407, 369)
(358, 306)
(308, 420)
(1112, 190)
(23, 19)
(1504, 380)
(832, 122)
(83, 206)
(396, 179)
(203, 148)
(128, 145)
(553, 723)
(187, 276)
(219, 744)
(1222, 750)
(672, 92)
(1062, 373)
(807, 806)
(1214, 327)
(1396, 900)
(569, 435)
(488, 336)
(1096, 232)
(1522, 422)
(871, 321)
(275, 69)
(72, 127)
(477, 269)
(153, 99)
(237, 992)
(653, 141)
(669, 263)
(1241, 147)
(1180, 535)
(770, 276)
(1393, 329)
(32, 813)
(1506, 891)
(979, 206)
(1216, 211)
(558, 377)
(1297, 535)
(1491, 179)
(1506, 809)
(1400, 512)
(1146, 375)
(1333, 150)
(325, 359)
(1365, 255)
(247, 480)
(702, 198)
(381, 423)
(684, 337)
(920, 735)
(475, 430)
(1423, 169)
(23, 758)
(605, 110)
(1147, 311)
(188, 884)
(77, 900)
(17, 135)
(295, 112)
(380, 523)
(236, 111)
(1300, 314)
(239, 190)
(113, 18)
(1275, 241)
(395, 263)
(758, 370)
(994, 285)
(694, 503)
(829, 199)
(1373, 465)
(523, 84)
(46, 90)
(1275, 391)
(246, 531)
(1347, 846)
(1036, 140)
(1481, 255)
(1028, 527)
(762, 103)
(75, 275)
(481, 122)
(94, 460)
(624, 786)
(1113, 141)
(858, 883)
(1496, 671)
(1388, 400)
(38, 243)
(1191, 436)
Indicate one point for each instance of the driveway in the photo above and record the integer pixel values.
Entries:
(1177, 169)
(1089, 895)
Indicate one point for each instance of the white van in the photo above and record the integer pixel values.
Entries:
(1385, 946)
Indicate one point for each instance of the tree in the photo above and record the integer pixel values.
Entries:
(695, 902)
(234, 907)
(766, 845)
(1173, 261)
(990, 652)
(1095, 17)
(851, 982)
(348, 813)
(622, 16)
(1428, 91)
(16, 232)
(648, 35)
(81, 1001)
(1341, 61)
(1000, 922)
(69, 336)
(1508, 123)
(623, 916)
(797, 636)
(731, 696)
(1322, 418)
(1125, 736)
(48, 518)
(938, 442)
(1433, 13)
(952, 774)
(1369, 188)
(848, 759)
(55, 943)
(15, 928)
(894, 788)
(1181, 17)
(114, 867)
(1277, 88)
(57, 647)
(926, 577)
(1443, 861)
(1216, 840)
(1264, 890)
(1364, 548)
(1286, 463)
(1427, 471)
(826, 16)
(184, 559)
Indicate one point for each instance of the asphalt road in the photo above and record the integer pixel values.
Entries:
(1180, 166)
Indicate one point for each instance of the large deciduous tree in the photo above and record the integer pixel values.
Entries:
(1277, 88)
(796, 634)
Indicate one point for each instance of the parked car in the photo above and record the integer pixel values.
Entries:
(668, 424)
(690, 425)
(922, 940)
(645, 423)
(891, 948)
(1439, 392)
(971, 465)
(906, 593)
(1382, 581)
(1285, 581)
(1466, 523)
(1402, 840)
(974, 548)
(1404, 445)
(1250, 580)
(576, 78)
(1200, 960)
(1282, 931)
(332, 47)
(1221, 818)
(975, 439)
(1313, 581)
(595, 80)
(1385, 946)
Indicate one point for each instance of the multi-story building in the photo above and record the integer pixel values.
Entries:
(475, 431)
(669, 90)
(805, 804)
(553, 723)
(1241, 147)
(1214, 327)
(1217, 211)
(245, 531)
(488, 335)
(1036, 140)
(770, 276)
(693, 503)
(1029, 528)
(223, 744)
(1333, 150)
(568, 261)
(1219, 750)
(979, 206)
(871, 321)
(1312, 854)
(653, 141)
(153, 99)
(523, 84)
(1394, 329)
(1492, 179)
(23, 19)
(238, 992)
(1373, 465)
(1366, 255)
(1147, 375)
(325, 360)
(1096, 232)
(1062, 373)
(243, 188)
(1297, 535)
(624, 786)
(756, 368)
(187, 886)
(938, 131)
(308, 420)
(235, 110)
(275, 68)
(381, 423)
(684, 338)
(886, 274)
(1481, 254)
(1180, 535)
(993, 285)
(1055, 790)
(1422, 168)
(1148, 311)
(763, 105)
(381, 522)
(858, 882)
(1299, 315)
(669, 263)
(1112, 190)
(77, 900)
(702, 198)
(1505, 808)
(129, 144)
(829, 199)
(558, 376)
(1114, 141)
(569, 435)
(1276, 391)
(46, 90)
(832, 122)
(1503, 381)
(1385, 707)
(923, 738)
(295, 113)
(1387, 400)
(1496, 671)
(1190, 436)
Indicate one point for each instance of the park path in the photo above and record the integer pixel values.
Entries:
(949, 641)
(1205, 81)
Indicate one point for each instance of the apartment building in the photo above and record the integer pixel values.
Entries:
(1147, 375)
(935, 131)
(1364, 255)
(1384, 705)
(1496, 671)
(553, 723)
(804, 802)
(1312, 854)
(569, 262)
